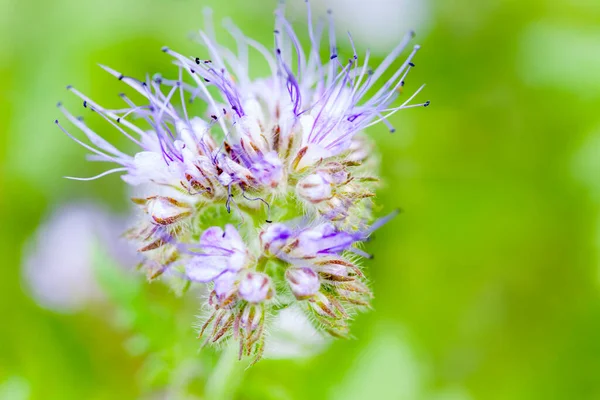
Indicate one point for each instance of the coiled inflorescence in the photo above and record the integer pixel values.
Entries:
(267, 197)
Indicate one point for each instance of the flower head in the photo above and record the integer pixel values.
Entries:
(285, 156)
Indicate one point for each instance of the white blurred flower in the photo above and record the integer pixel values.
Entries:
(377, 24)
(293, 336)
(58, 258)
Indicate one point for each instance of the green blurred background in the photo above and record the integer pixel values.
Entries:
(487, 286)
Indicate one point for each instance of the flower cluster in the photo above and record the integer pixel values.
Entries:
(265, 191)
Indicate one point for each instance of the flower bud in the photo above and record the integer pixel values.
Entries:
(192, 132)
(274, 238)
(314, 188)
(337, 208)
(255, 287)
(338, 270)
(249, 130)
(224, 284)
(304, 282)
(335, 273)
(268, 170)
(359, 150)
(323, 306)
(166, 210)
(336, 173)
(250, 318)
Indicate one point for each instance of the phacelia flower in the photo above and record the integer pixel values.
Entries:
(266, 193)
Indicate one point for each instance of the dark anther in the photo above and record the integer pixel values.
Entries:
(198, 60)
(118, 120)
(84, 104)
(427, 103)
(370, 72)
(192, 71)
(59, 104)
(56, 121)
(234, 108)
(393, 130)
(411, 64)
(80, 118)
(333, 57)
(269, 221)
(276, 31)
(69, 87)
(151, 108)
(122, 95)
(402, 83)
(207, 61)
(224, 111)
(278, 51)
(356, 57)
(164, 49)
(413, 33)
(214, 117)
(121, 76)
(144, 84)
(206, 80)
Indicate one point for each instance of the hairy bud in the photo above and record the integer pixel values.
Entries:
(255, 287)
(304, 282)
(315, 188)
(166, 210)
